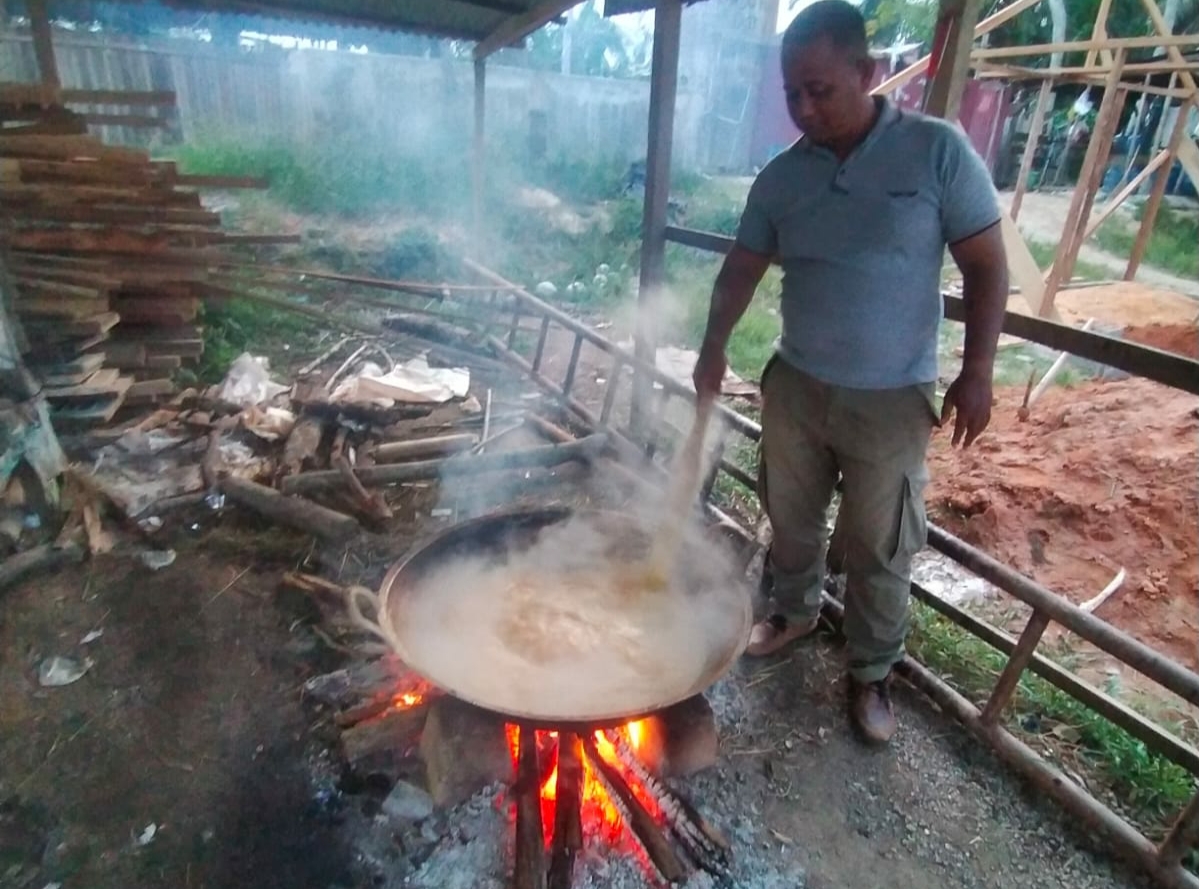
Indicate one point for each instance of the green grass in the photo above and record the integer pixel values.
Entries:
(1149, 789)
(1044, 253)
(235, 326)
(1173, 245)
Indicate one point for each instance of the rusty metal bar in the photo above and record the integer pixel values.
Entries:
(1142, 361)
(541, 338)
(573, 367)
(610, 390)
(746, 426)
(736, 472)
(1150, 733)
(1182, 837)
(1125, 839)
(1005, 686)
(512, 331)
(1136, 654)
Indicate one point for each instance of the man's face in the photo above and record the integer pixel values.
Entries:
(825, 87)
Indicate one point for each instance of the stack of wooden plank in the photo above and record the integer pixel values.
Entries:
(111, 252)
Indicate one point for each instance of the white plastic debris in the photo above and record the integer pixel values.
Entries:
(147, 835)
(412, 382)
(91, 637)
(156, 559)
(58, 671)
(248, 382)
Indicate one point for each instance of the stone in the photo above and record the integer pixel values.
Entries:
(680, 740)
(407, 802)
(464, 749)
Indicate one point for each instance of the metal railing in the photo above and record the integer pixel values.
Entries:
(1163, 861)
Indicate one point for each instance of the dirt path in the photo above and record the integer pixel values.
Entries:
(1043, 217)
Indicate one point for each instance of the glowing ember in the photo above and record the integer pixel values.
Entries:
(599, 812)
(407, 699)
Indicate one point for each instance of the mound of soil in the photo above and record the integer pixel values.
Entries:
(1181, 339)
(1102, 476)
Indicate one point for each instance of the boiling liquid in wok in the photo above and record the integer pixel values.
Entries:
(569, 630)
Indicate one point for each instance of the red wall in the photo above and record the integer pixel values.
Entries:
(983, 114)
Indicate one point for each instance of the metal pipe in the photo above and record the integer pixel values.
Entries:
(1150, 733)
(1137, 655)
(1124, 838)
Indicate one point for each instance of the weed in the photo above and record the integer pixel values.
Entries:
(235, 326)
(1149, 788)
(1171, 245)
(1045, 253)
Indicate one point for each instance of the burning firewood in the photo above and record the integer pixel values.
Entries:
(568, 812)
(655, 843)
(703, 842)
(529, 872)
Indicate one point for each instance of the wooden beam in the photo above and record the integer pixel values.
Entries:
(1153, 204)
(43, 43)
(517, 27)
(1164, 30)
(1098, 149)
(1044, 98)
(957, 21)
(1114, 202)
(117, 97)
(1099, 33)
(668, 16)
(1072, 46)
(910, 73)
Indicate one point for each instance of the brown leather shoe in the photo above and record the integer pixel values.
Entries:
(776, 632)
(870, 710)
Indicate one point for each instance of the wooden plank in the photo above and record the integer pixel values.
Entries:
(60, 194)
(66, 148)
(91, 412)
(515, 27)
(117, 97)
(125, 120)
(944, 95)
(1142, 361)
(195, 181)
(174, 311)
(32, 288)
(158, 333)
(1157, 194)
(1116, 200)
(90, 326)
(68, 308)
(1083, 198)
(155, 388)
(1099, 33)
(103, 382)
(1175, 54)
(84, 172)
(1044, 97)
(105, 240)
(1073, 46)
(167, 362)
(126, 356)
(115, 215)
(70, 373)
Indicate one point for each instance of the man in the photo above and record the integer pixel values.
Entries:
(859, 211)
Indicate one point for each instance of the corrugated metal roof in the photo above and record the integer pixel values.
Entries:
(459, 19)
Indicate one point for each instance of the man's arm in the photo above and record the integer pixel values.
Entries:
(983, 264)
(739, 277)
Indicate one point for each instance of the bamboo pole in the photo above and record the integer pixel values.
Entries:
(1044, 99)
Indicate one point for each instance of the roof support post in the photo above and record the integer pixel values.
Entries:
(950, 64)
(668, 17)
(478, 156)
(43, 43)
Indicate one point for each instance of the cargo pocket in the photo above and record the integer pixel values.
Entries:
(912, 533)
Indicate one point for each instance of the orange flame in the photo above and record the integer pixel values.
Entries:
(598, 810)
(407, 699)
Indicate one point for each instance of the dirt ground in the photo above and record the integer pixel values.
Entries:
(1102, 477)
(190, 720)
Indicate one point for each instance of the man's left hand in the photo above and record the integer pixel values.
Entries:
(969, 397)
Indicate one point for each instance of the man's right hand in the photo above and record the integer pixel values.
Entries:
(709, 372)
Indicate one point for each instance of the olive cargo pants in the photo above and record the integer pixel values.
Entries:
(875, 441)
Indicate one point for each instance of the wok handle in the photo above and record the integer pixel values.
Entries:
(353, 594)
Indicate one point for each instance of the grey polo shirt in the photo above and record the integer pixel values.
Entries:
(862, 242)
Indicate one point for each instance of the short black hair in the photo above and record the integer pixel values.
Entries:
(839, 22)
